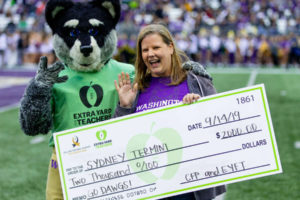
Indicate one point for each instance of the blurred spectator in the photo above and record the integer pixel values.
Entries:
(215, 45)
(253, 49)
(22, 46)
(274, 49)
(23, 25)
(193, 46)
(128, 26)
(264, 51)
(203, 45)
(12, 41)
(46, 47)
(243, 46)
(231, 48)
(32, 54)
(294, 54)
(182, 41)
(3, 47)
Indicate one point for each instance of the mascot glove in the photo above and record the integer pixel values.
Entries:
(48, 76)
(196, 68)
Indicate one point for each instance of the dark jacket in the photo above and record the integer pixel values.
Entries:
(198, 85)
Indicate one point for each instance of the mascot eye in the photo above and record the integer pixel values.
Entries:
(93, 32)
(74, 33)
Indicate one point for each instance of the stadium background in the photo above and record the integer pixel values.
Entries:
(241, 43)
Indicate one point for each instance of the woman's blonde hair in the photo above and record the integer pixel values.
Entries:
(178, 74)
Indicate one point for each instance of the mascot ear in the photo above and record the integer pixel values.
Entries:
(54, 8)
(113, 7)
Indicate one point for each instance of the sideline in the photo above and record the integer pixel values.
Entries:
(37, 139)
(240, 70)
(252, 78)
(10, 107)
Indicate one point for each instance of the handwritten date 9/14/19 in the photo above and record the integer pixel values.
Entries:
(216, 120)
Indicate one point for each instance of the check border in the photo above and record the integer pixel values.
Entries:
(259, 87)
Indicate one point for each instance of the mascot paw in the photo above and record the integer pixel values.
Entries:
(48, 76)
(196, 68)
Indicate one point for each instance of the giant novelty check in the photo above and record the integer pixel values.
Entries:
(220, 139)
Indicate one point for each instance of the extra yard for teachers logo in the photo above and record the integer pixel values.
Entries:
(92, 95)
(103, 142)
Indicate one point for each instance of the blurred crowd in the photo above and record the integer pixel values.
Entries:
(24, 36)
(222, 32)
(213, 32)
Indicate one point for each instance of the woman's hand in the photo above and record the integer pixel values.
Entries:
(190, 98)
(126, 91)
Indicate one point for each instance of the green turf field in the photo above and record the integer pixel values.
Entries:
(23, 166)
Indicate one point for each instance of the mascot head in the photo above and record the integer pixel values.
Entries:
(84, 35)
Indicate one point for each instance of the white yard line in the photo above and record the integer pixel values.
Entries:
(37, 139)
(9, 81)
(251, 81)
(8, 108)
(252, 78)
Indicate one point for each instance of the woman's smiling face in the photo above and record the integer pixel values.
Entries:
(157, 55)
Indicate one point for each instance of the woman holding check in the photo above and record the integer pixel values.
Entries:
(160, 80)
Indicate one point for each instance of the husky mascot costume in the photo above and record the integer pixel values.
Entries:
(79, 89)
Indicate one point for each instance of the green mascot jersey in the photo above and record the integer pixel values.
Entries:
(86, 97)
